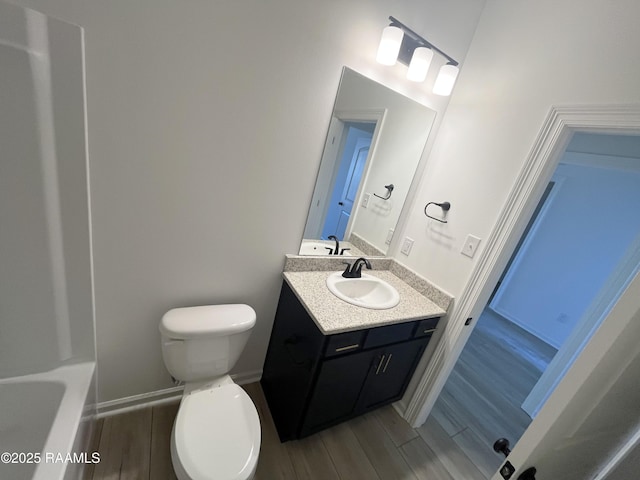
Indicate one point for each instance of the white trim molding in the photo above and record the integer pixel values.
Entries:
(552, 140)
(159, 397)
(136, 402)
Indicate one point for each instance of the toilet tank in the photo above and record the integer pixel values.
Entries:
(205, 342)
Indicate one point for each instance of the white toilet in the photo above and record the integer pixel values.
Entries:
(216, 434)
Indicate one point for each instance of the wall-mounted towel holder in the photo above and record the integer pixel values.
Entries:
(445, 206)
(389, 188)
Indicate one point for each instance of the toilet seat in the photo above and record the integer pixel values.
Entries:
(216, 435)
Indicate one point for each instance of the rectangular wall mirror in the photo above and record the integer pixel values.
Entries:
(375, 142)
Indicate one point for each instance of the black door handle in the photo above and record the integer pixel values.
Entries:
(341, 203)
(528, 474)
(502, 446)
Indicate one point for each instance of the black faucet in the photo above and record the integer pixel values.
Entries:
(337, 249)
(355, 269)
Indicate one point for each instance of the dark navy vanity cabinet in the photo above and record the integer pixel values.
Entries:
(313, 381)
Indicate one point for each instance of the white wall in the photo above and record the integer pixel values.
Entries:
(206, 126)
(525, 57)
(591, 221)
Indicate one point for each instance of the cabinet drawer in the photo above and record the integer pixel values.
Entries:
(379, 336)
(344, 343)
(426, 327)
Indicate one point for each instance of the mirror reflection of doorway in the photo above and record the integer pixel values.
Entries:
(352, 154)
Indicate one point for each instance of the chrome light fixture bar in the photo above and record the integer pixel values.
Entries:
(400, 43)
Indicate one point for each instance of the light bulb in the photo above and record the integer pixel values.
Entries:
(445, 80)
(389, 45)
(419, 66)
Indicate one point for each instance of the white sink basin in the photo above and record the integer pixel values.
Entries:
(367, 292)
(318, 248)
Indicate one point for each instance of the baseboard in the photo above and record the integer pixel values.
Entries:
(135, 402)
(400, 407)
(160, 397)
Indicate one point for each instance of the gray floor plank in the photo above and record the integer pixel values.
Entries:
(349, 458)
(311, 461)
(160, 466)
(125, 445)
(445, 411)
(94, 446)
(480, 453)
(136, 450)
(396, 427)
(424, 462)
(380, 449)
(449, 452)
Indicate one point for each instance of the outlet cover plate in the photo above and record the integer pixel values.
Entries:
(389, 236)
(470, 246)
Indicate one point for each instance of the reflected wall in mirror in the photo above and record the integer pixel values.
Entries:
(375, 142)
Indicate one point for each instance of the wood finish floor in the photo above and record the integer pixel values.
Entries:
(479, 404)
(482, 398)
(376, 446)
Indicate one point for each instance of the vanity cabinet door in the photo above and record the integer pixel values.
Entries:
(337, 390)
(388, 380)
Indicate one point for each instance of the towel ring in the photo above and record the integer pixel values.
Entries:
(445, 206)
(389, 188)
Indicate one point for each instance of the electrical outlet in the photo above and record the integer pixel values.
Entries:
(389, 236)
(470, 246)
(365, 200)
(406, 246)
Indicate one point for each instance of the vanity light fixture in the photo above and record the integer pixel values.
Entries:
(400, 43)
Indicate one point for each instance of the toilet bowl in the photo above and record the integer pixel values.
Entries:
(216, 433)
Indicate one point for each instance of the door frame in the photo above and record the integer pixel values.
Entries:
(558, 128)
(374, 115)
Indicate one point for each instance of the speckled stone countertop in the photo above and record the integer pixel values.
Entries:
(333, 315)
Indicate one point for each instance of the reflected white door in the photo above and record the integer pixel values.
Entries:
(347, 182)
(350, 190)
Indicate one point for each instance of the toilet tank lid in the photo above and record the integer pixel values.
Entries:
(189, 322)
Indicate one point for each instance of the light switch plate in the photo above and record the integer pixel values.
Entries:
(406, 246)
(365, 200)
(470, 246)
(389, 236)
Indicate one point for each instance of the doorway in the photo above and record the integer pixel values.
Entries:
(567, 261)
(353, 154)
